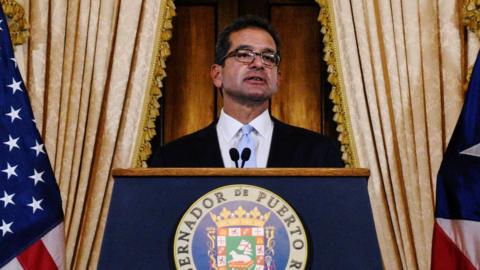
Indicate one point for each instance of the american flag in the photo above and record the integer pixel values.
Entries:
(31, 217)
(456, 237)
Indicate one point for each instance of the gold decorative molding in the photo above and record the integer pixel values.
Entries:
(17, 23)
(471, 20)
(340, 108)
(471, 16)
(151, 107)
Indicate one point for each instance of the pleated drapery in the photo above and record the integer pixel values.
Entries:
(88, 66)
(402, 66)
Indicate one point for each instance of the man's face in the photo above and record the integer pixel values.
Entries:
(247, 83)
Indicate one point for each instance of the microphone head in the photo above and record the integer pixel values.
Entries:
(246, 152)
(234, 155)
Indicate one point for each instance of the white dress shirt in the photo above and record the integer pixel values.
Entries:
(229, 134)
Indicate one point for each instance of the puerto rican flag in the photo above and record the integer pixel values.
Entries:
(31, 217)
(456, 237)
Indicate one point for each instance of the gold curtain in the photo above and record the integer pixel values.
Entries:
(88, 67)
(400, 68)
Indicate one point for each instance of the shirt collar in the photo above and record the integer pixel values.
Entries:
(228, 126)
(262, 123)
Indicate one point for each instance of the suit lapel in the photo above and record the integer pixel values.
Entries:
(281, 147)
(209, 150)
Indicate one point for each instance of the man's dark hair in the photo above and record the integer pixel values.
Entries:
(248, 21)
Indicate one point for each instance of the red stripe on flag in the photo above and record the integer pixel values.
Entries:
(37, 257)
(445, 253)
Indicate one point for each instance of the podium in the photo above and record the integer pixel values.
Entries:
(148, 204)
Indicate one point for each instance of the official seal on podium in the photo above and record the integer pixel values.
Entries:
(240, 227)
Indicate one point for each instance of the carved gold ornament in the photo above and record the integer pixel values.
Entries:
(471, 16)
(17, 23)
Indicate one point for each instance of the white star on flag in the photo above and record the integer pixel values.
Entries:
(35, 204)
(7, 199)
(37, 177)
(38, 148)
(5, 227)
(1, 27)
(11, 143)
(10, 170)
(15, 86)
(14, 113)
(472, 151)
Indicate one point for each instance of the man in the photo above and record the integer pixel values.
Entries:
(246, 71)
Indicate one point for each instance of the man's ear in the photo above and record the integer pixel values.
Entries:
(216, 74)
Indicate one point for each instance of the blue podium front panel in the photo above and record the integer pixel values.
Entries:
(145, 211)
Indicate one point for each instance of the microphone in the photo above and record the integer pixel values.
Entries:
(234, 156)
(246, 152)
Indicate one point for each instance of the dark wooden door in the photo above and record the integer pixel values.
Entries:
(190, 100)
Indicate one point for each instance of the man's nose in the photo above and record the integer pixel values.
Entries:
(257, 62)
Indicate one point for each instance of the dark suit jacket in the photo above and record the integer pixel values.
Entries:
(291, 147)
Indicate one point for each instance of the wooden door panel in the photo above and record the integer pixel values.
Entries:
(298, 100)
(188, 93)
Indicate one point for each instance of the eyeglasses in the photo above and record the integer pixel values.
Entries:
(269, 59)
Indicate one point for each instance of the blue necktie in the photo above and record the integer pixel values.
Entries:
(246, 141)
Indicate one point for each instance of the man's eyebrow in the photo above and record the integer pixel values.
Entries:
(249, 47)
(244, 47)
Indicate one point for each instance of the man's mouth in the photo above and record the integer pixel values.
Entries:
(255, 79)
